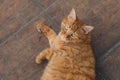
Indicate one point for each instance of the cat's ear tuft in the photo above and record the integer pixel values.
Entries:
(88, 29)
(72, 15)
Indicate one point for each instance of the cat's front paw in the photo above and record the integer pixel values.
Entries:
(39, 28)
(42, 29)
(38, 61)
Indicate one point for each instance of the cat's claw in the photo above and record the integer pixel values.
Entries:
(42, 29)
(39, 29)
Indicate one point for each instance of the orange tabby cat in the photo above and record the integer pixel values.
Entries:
(70, 54)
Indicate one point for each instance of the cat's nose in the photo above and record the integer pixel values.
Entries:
(67, 36)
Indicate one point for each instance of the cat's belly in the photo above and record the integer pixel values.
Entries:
(63, 69)
(62, 75)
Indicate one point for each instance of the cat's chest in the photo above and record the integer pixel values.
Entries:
(57, 43)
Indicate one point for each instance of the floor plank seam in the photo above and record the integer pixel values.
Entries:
(109, 51)
(36, 17)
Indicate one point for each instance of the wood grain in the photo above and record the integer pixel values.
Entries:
(20, 42)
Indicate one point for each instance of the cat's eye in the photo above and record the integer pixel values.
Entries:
(71, 35)
(66, 26)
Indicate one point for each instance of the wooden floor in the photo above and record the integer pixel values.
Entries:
(20, 42)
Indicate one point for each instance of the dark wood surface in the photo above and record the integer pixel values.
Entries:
(20, 42)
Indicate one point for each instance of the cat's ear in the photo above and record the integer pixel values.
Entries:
(72, 15)
(87, 29)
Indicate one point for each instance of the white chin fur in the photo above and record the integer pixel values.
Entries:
(63, 38)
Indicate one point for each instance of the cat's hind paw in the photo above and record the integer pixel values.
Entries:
(38, 61)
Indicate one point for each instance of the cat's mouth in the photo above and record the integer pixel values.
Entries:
(63, 38)
(66, 38)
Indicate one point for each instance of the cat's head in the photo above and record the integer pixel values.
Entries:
(73, 29)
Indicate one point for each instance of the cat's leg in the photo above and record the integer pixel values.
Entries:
(45, 54)
(48, 32)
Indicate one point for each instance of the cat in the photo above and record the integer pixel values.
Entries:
(70, 54)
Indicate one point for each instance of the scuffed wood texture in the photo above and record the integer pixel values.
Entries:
(20, 42)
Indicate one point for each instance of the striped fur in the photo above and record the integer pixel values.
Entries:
(70, 54)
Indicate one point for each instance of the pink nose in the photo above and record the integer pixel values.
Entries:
(67, 36)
